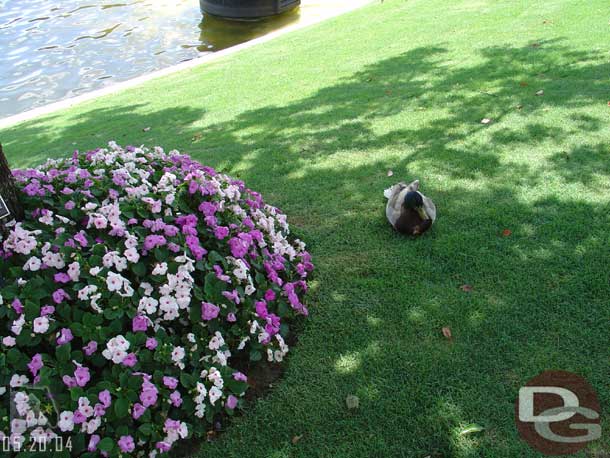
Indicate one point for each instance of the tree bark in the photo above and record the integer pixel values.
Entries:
(9, 193)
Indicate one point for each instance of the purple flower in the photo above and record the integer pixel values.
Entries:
(79, 417)
(35, 364)
(221, 232)
(148, 397)
(130, 360)
(99, 410)
(59, 295)
(176, 399)
(231, 318)
(70, 382)
(269, 295)
(82, 376)
(239, 247)
(61, 277)
(90, 348)
(261, 309)
(95, 439)
(151, 343)
(17, 306)
(138, 410)
(209, 311)
(126, 444)
(139, 323)
(81, 239)
(231, 402)
(65, 336)
(164, 446)
(47, 310)
(170, 382)
(105, 398)
(69, 205)
(240, 377)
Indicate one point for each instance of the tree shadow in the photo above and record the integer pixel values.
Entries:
(537, 299)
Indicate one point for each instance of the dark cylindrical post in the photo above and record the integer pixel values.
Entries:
(10, 207)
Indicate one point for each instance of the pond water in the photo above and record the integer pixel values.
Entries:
(55, 49)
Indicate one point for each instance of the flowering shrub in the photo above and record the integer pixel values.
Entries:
(134, 283)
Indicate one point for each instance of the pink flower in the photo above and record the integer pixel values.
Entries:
(47, 310)
(176, 399)
(170, 382)
(79, 417)
(95, 439)
(126, 444)
(105, 398)
(151, 343)
(163, 446)
(61, 277)
(65, 336)
(17, 306)
(231, 318)
(138, 410)
(59, 296)
(82, 376)
(231, 402)
(239, 377)
(139, 323)
(90, 348)
(130, 360)
(148, 397)
(70, 382)
(35, 364)
(209, 311)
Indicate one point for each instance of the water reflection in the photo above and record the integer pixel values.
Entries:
(51, 50)
(54, 49)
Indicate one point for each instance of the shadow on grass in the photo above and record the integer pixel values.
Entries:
(537, 301)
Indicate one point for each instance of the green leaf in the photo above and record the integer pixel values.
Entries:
(106, 444)
(63, 353)
(121, 407)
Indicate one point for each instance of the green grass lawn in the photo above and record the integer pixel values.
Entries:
(315, 119)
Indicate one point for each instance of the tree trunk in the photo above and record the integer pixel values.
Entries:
(10, 207)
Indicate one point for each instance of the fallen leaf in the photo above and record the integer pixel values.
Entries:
(471, 429)
(296, 439)
(146, 129)
(447, 333)
(197, 137)
(523, 84)
(486, 121)
(352, 402)
(535, 45)
(390, 173)
(388, 92)
(211, 435)
(519, 107)
(609, 103)
(506, 232)
(466, 288)
(540, 92)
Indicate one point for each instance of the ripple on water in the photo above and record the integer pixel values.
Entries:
(54, 49)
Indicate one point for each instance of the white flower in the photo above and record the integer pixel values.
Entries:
(160, 269)
(178, 354)
(18, 380)
(214, 394)
(114, 281)
(17, 326)
(41, 325)
(65, 421)
(33, 264)
(9, 341)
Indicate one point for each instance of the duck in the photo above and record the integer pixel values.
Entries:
(408, 210)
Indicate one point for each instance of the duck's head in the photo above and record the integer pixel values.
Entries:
(414, 201)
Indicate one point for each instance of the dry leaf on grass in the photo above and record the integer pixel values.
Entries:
(390, 173)
(540, 92)
(296, 439)
(506, 232)
(486, 121)
(146, 129)
(447, 333)
(466, 288)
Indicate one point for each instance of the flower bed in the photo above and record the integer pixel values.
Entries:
(135, 284)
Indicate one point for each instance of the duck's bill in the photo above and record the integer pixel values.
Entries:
(422, 213)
